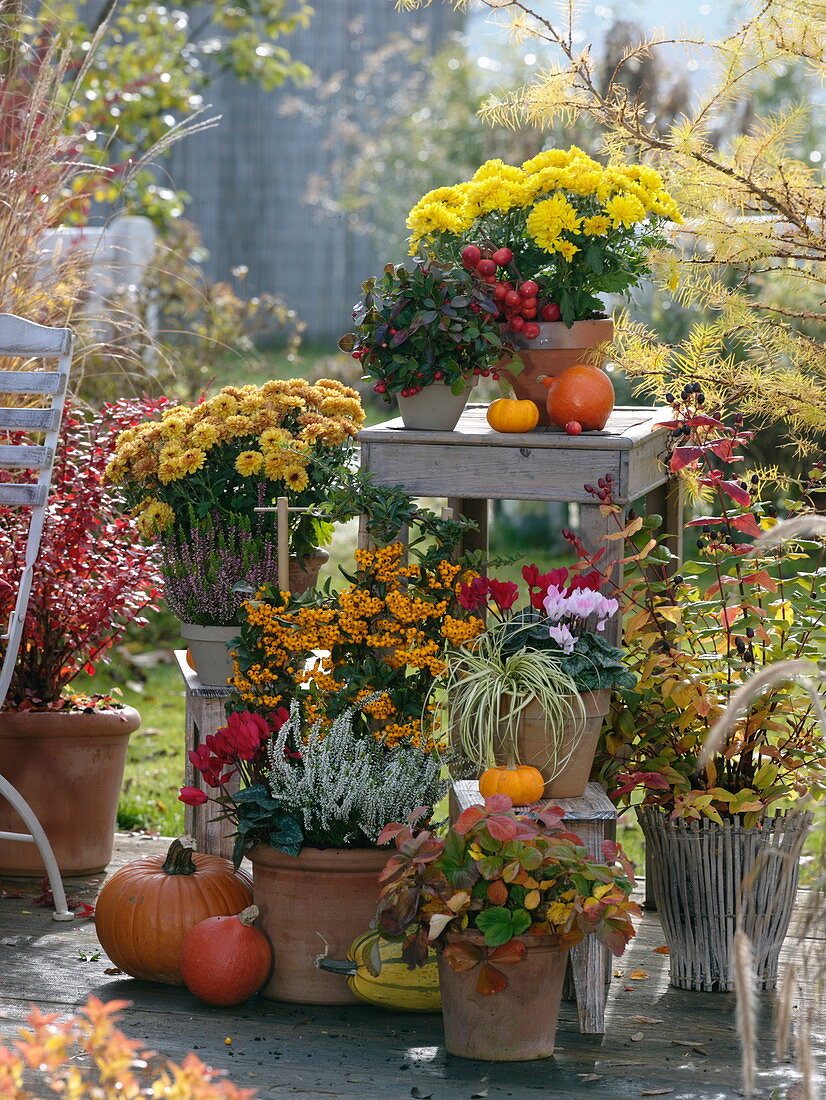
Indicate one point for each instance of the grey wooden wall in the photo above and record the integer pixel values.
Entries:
(248, 176)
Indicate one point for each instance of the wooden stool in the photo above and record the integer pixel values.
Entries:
(205, 715)
(593, 817)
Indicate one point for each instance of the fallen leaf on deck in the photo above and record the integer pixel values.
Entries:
(637, 975)
(664, 950)
(619, 973)
(478, 1095)
(589, 1077)
(645, 1020)
(629, 988)
(655, 1092)
(112, 970)
(635, 1038)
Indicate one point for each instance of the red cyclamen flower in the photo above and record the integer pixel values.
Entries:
(191, 796)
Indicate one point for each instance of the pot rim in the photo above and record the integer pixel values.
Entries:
(123, 720)
(556, 334)
(329, 860)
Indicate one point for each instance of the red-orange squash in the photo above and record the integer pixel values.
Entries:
(522, 783)
(224, 960)
(580, 393)
(509, 415)
(147, 907)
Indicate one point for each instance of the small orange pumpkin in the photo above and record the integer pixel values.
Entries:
(581, 393)
(522, 783)
(510, 415)
(224, 960)
(147, 907)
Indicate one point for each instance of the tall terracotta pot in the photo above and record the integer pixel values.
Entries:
(518, 1024)
(315, 903)
(68, 765)
(208, 645)
(575, 745)
(555, 348)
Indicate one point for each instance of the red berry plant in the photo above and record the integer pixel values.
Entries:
(92, 577)
(427, 324)
(697, 631)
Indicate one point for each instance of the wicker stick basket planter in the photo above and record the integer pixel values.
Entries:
(703, 875)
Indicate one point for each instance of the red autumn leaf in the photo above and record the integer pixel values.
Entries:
(512, 952)
(498, 804)
(764, 579)
(497, 892)
(462, 956)
(468, 818)
(724, 449)
(728, 615)
(684, 456)
(735, 491)
(747, 524)
(490, 980)
(502, 828)
(704, 521)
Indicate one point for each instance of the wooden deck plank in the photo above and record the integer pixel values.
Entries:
(349, 1053)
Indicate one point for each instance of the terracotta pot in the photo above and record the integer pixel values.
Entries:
(703, 875)
(577, 743)
(556, 348)
(68, 765)
(517, 1024)
(435, 408)
(207, 645)
(313, 904)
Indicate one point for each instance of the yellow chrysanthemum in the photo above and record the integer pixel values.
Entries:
(223, 405)
(549, 218)
(192, 460)
(566, 249)
(296, 478)
(249, 462)
(155, 517)
(174, 427)
(597, 226)
(494, 193)
(499, 170)
(204, 435)
(625, 210)
(274, 439)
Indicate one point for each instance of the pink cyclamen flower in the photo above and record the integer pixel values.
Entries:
(563, 637)
(191, 796)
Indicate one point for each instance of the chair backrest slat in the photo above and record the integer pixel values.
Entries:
(33, 495)
(28, 420)
(21, 337)
(25, 457)
(32, 381)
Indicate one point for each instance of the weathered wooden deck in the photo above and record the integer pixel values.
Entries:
(659, 1041)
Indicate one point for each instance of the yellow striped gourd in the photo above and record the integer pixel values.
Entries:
(395, 986)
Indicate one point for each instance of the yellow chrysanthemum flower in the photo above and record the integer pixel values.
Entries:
(296, 478)
(192, 460)
(155, 517)
(223, 405)
(566, 249)
(549, 218)
(204, 435)
(597, 226)
(249, 462)
(625, 210)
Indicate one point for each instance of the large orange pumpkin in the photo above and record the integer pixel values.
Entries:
(147, 907)
(224, 960)
(580, 393)
(522, 783)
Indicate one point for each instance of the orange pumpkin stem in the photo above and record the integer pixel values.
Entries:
(179, 859)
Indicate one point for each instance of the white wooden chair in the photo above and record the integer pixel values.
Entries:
(25, 339)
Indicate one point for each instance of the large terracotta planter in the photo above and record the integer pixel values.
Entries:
(313, 904)
(517, 1024)
(576, 745)
(556, 348)
(208, 645)
(435, 408)
(68, 765)
(702, 875)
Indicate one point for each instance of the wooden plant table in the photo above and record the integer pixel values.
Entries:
(594, 818)
(204, 715)
(474, 464)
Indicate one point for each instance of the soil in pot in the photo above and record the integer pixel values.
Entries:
(565, 764)
(68, 765)
(517, 1024)
(313, 904)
